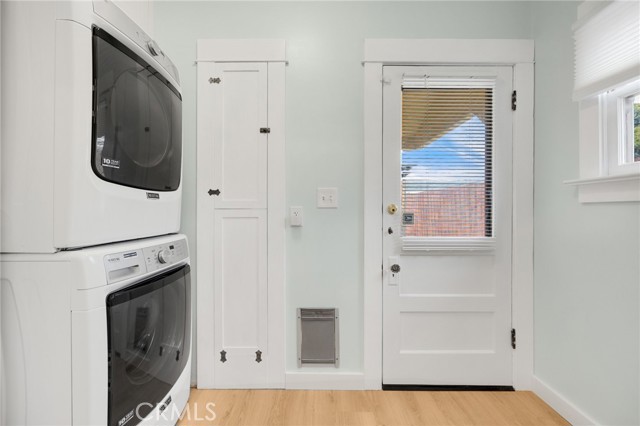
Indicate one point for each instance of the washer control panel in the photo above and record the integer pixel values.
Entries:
(162, 255)
(131, 263)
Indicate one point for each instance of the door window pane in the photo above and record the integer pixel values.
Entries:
(447, 179)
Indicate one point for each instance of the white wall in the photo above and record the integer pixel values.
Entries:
(587, 257)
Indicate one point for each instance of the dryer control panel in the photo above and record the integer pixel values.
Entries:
(132, 263)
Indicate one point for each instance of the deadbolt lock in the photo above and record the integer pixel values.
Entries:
(392, 208)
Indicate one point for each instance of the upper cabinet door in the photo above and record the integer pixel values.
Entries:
(240, 135)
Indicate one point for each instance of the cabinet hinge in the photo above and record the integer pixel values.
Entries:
(265, 130)
(514, 100)
(223, 356)
(513, 338)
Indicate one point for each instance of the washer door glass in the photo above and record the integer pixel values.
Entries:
(149, 341)
(137, 129)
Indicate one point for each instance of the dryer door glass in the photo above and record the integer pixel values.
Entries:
(137, 129)
(149, 341)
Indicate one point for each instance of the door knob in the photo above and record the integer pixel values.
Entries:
(395, 268)
(392, 208)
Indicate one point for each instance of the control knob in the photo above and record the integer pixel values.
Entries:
(164, 256)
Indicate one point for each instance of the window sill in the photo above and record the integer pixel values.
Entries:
(608, 189)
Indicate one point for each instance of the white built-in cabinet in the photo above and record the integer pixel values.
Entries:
(240, 244)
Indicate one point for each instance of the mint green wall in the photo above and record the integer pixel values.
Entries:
(324, 113)
(587, 257)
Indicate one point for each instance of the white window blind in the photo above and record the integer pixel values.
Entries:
(607, 48)
(447, 162)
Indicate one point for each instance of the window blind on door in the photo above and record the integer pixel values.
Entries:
(447, 162)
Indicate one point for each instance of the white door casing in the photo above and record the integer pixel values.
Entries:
(520, 55)
(240, 272)
(447, 313)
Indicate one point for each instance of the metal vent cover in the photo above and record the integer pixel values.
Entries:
(318, 336)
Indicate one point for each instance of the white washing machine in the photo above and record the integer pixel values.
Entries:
(99, 336)
(91, 128)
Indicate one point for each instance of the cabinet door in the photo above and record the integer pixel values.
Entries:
(238, 304)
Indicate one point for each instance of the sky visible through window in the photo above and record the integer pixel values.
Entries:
(447, 184)
(457, 157)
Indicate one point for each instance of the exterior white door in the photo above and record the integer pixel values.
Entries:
(447, 185)
(233, 299)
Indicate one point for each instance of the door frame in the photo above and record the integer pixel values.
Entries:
(273, 53)
(516, 53)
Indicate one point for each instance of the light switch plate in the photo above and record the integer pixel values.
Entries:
(328, 198)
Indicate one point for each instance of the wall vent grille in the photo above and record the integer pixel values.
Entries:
(318, 336)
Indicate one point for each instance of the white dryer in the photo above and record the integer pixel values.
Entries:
(91, 128)
(99, 336)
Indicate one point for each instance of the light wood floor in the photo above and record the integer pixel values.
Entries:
(359, 408)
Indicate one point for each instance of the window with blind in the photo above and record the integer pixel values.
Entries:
(447, 159)
(607, 87)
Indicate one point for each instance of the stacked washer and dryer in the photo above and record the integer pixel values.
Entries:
(95, 280)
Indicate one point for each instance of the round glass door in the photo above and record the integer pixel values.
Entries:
(137, 129)
(149, 342)
(139, 114)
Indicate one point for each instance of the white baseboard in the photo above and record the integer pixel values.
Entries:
(324, 381)
(562, 405)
